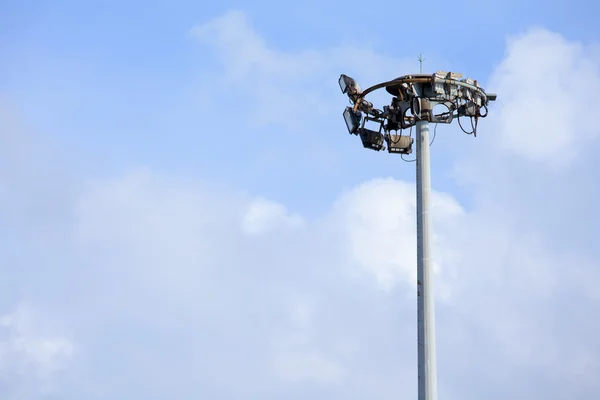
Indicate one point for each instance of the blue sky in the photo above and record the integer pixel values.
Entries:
(183, 213)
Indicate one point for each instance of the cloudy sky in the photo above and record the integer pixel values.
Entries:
(183, 214)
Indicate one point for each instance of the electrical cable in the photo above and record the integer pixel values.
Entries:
(486, 111)
(474, 127)
(402, 155)
(463, 129)
(434, 134)
(405, 160)
(399, 137)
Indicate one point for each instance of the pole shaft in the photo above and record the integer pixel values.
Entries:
(425, 301)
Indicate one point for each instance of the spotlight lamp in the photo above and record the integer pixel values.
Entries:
(352, 119)
(371, 139)
(349, 86)
(399, 144)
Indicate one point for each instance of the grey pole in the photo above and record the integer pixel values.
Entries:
(425, 301)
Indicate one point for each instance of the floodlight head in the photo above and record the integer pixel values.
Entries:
(491, 96)
(371, 139)
(349, 85)
(352, 119)
(399, 144)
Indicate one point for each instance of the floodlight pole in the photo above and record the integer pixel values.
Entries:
(425, 301)
(421, 94)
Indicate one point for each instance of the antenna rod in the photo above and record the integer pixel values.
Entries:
(421, 59)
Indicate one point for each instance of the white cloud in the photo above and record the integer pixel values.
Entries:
(380, 228)
(546, 89)
(305, 364)
(25, 349)
(296, 354)
(172, 253)
(263, 215)
(498, 271)
(156, 223)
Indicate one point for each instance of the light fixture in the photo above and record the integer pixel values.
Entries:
(418, 99)
(352, 119)
(371, 139)
(399, 144)
(349, 85)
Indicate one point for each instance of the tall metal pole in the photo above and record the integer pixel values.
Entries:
(425, 301)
